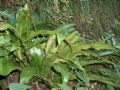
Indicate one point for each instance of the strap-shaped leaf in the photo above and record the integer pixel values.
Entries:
(6, 67)
(102, 79)
(100, 46)
(51, 45)
(23, 22)
(36, 33)
(91, 62)
(18, 86)
(63, 31)
(72, 38)
(64, 71)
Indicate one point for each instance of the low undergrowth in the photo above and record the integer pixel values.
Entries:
(57, 59)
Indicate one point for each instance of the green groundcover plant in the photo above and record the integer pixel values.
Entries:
(56, 57)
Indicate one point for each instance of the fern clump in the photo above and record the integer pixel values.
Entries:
(58, 59)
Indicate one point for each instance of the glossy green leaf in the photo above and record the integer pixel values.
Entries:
(26, 75)
(104, 53)
(65, 87)
(23, 22)
(6, 66)
(18, 86)
(63, 70)
(117, 46)
(82, 76)
(51, 45)
(72, 38)
(3, 53)
(35, 50)
(106, 80)
(101, 45)
(35, 68)
(4, 40)
(91, 62)
(63, 31)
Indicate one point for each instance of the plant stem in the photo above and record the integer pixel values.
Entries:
(25, 52)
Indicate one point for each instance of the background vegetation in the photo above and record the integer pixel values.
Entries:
(92, 17)
(60, 44)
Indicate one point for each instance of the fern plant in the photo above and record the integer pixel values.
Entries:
(57, 58)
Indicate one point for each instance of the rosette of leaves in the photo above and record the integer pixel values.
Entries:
(57, 58)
